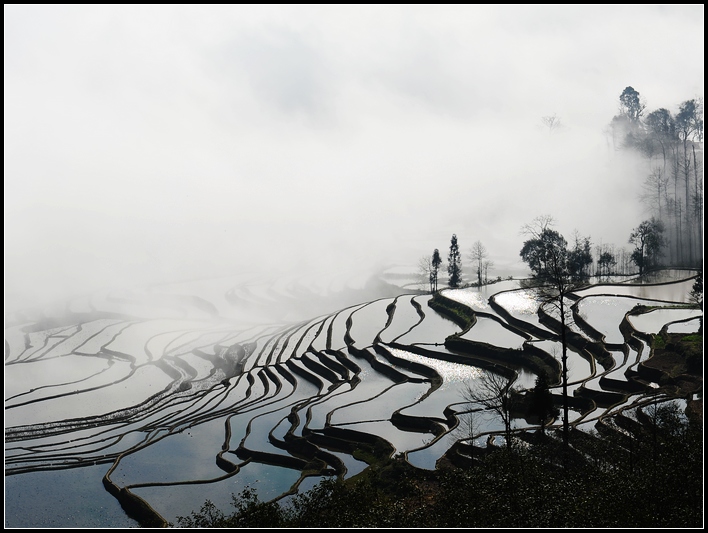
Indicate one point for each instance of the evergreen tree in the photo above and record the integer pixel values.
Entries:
(436, 262)
(454, 264)
(541, 403)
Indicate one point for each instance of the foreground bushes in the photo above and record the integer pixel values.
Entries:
(652, 480)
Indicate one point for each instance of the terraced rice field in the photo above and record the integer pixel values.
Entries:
(136, 407)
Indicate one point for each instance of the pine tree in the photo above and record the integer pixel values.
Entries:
(436, 262)
(454, 264)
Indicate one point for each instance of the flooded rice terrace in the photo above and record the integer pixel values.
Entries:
(134, 407)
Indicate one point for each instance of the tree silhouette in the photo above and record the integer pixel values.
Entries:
(479, 254)
(425, 267)
(648, 241)
(435, 263)
(541, 402)
(546, 253)
(696, 297)
(606, 263)
(454, 264)
(631, 105)
(552, 122)
(493, 391)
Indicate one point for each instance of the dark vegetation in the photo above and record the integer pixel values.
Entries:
(641, 473)
(459, 313)
(679, 358)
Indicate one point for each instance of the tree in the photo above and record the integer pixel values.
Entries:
(425, 268)
(656, 188)
(661, 130)
(546, 253)
(435, 263)
(541, 403)
(606, 263)
(541, 251)
(454, 264)
(429, 268)
(696, 294)
(688, 126)
(552, 122)
(485, 269)
(696, 297)
(648, 241)
(478, 255)
(698, 196)
(626, 127)
(580, 258)
(469, 427)
(493, 391)
(631, 105)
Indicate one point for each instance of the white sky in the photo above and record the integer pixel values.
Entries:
(154, 143)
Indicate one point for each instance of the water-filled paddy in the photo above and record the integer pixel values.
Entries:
(689, 326)
(367, 322)
(605, 313)
(490, 331)
(165, 399)
(39, 500)
(672, 291)
(433, 329)
(405, 317)
(653, 321)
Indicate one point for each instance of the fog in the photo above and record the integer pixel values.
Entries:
(155, 144)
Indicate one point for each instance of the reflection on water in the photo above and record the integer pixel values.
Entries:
(33, 501)
(160, 382)
(172, 501)
(405, 317)
(674, 291)
(492, 332)
(689, 326)
(450, 372)
(519, 302)
(653, 321)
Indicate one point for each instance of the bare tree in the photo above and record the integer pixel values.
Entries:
(686, 128)
(425, 271)
(698, 195)
(478, 255)
(537, 225)
(494, 392)
(655, 189)
(468, 428)
(552, 122)
(428, 269)
(485, 267)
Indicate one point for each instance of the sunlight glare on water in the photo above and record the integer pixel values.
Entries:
(470, 297)
(450, 372)
(520, 302)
